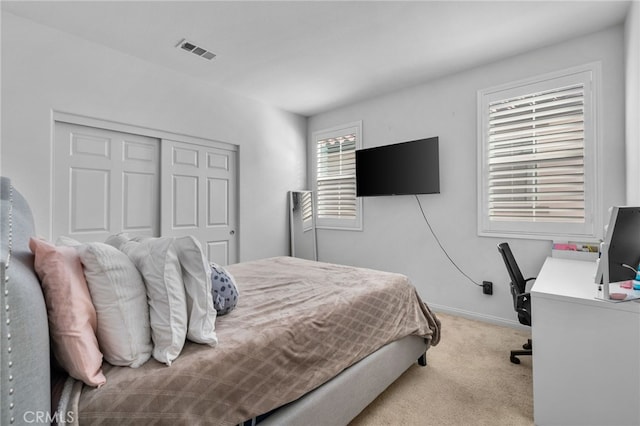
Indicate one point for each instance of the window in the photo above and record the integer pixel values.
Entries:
(538, 157)
(307, 211)
(335, 177)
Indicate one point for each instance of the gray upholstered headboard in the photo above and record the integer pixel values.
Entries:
(25, 383)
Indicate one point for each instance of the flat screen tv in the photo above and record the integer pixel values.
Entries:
(623, 240)
(399, 169)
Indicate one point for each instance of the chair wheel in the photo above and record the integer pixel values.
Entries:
(526, 346)
(514, 359)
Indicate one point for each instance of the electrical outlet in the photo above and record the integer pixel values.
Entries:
(487, 287)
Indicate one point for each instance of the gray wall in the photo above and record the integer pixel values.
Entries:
(44, 69)
(395, 236)
(632, 89)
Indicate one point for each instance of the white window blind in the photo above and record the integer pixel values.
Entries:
(336, 201)
(538, 157)
(337, 177)
(307, 210)
(307, 206)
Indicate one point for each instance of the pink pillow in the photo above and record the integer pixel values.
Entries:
(72, 317)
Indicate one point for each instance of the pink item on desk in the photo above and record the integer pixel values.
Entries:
(561, 246)
(626, 284)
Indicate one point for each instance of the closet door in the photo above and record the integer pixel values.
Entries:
(198, 187)
(104, 182)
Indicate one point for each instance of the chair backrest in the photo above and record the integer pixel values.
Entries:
(517, 279)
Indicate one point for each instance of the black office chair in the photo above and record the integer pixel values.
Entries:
(521, 297)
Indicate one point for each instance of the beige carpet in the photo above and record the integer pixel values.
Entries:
(468, 381)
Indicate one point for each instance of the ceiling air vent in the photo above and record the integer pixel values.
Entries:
(196, 50)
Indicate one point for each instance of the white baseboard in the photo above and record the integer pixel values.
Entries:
(478, 316)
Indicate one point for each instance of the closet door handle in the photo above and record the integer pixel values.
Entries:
(232, 232)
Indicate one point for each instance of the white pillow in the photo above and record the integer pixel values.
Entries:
(118, 240)
(196, 274)
(119, 296)
(157, 261)
(63, 240)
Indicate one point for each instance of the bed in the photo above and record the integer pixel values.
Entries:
(308, 343)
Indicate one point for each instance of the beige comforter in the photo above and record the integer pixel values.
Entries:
(297, 324)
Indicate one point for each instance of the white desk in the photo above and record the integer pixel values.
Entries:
(586, 352)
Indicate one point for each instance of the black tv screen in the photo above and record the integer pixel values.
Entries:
(398, 169)
(623, 238)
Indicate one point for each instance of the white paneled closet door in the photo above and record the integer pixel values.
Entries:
(199, 197)
(104, 182)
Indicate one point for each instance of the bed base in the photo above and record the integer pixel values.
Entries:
(341, 399)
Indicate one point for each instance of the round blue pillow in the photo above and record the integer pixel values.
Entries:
(223, 290)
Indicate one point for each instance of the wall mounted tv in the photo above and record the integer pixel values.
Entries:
(399, 169)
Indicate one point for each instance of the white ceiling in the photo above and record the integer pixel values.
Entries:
(311, 56)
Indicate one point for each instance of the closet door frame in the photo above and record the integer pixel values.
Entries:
(82, 120)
